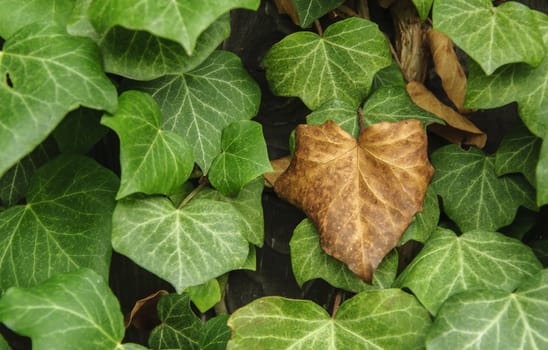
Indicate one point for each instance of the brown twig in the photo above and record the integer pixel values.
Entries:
(393, 51)
(318, 28)
(202, 183)
(336, 303)
(360, 120)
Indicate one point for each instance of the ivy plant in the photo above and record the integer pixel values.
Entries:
(179, 190)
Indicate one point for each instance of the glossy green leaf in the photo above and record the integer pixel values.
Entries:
(518, 153)
(248, 203)
(65, 224)
(448, 265)
(339, 65)
(492, 36)
(215, 334)
(199, 104)
(542, 173)
(15, 15)
(473, 195)
(15, 182)
(153, 161)
(425, 222)
(388, 77)
(540, 248)
(79, 131)
(423, 8)
(341, 112)
(310, 10)
(206, 295)
(383, 319)
(74, 310)
(182, 20)
(493, 319)
(180, 328)
(78, 23)
(186, 246)
(243, 157)
(51, 73)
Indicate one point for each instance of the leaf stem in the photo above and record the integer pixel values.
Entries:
(393, 51)
(202, 183)
(318, 28)
(360, 119)
(336, 303)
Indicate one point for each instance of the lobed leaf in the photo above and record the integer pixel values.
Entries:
(425, 222)
(153, 161)
(448, 265)
(215, 334)
(310, 10)
(423, 8)
(339, 65)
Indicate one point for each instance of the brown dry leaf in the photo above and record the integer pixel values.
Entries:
(144, 315)
(448, 68)
(361, 194)
(279, 165)
(458, 130)
(286, 7)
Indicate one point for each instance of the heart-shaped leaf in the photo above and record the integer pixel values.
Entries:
(361, 194)
(182, 20)
(243, 157)
(448, 265)
(199, 104)
(49, 73)
(79, 131)
(74, 310)
(423, 8)
(489, 34)
(310, 10)
(493, 319)
(153, 161)
(65, 224)
(425, 222)
(340, 64)
(186, 246)
(383, 319)
(473, 195)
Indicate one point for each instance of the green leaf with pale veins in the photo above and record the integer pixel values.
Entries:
(180, 328)
(492, 36)
(16, 14)
(339, 65)
(243, 157)
(181, 20)
(185, 246)
(448, 265)
(51, 73)
(493, 319)
(380, 319)
(199, 104)
(153, 161)
(310, 10)
(423, 8)
(248, 204)
(473, 195)
(518, 153)
(341, 112)
(215, 334)
(79, 131)
(74, 310)
(389, 76)
(425, 222)
(65, 224)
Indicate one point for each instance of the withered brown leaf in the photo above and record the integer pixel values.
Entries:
(361, 194)
(279, 165)
(144, 315)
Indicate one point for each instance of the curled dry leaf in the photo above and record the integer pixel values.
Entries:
(144, 314)
(279, 165)
(286, 7)
(458, 130)
(361, 194)
(448, 68)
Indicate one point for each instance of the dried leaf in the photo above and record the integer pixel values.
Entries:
(286, 7)
(361, 194)
(279, 165)
(448, 68)
(458, 130)
(144, 314)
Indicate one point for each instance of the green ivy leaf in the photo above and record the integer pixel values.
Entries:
(389, 77)
(74, 310)
(423, 8)
(199, 104)
(339, 65)
(65, 224)
(78, 23)
(542, 173)
(380, 319)
(205, 295)
(14, 16)
(518, 153)
(180, 328)
(493, 319)
(341, 112)
(243, 157)
(79, 131)
(15, 182)
(186, 246)
(182, 20)
(425, 222)
(489, 34)
(248, 203)
(310, 10)
(540, 248)
(3, 344)
(153, 161)
(51, 73)
(473, 195)
(448, 265)
(215, 334)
